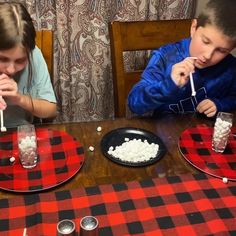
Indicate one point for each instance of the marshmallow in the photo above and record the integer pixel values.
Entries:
(99, 129)
(225, 180)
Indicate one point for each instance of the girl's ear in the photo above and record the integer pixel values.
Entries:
(193, 27)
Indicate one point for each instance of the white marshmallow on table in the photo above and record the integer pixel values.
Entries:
(225, 180)
(12, 159)
(91, 148)
(99, 129)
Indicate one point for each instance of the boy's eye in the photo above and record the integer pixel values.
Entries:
(206, 41)
(222, 51)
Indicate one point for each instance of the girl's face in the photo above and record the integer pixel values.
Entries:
(13, 60)
(209, 45)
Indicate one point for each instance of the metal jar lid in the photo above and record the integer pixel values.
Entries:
(66, 228)
(89, 226)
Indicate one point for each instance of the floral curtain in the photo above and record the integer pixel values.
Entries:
(82, 65)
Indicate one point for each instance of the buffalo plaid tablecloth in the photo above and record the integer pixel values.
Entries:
(195, 146)
(178, 205)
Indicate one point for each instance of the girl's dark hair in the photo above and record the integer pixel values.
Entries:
(220, 13)
(17, 28)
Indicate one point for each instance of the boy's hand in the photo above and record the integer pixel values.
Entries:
(180, 71)
(207, 107)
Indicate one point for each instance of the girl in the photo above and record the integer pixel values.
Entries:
(25, 86)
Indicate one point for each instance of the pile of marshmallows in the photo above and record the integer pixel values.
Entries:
(134, 150)
(222, 130)
(27, 145)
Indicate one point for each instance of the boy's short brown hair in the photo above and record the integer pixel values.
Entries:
(220, 13)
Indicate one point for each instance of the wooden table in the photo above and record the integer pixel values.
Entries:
(161, 199)
(98, 170)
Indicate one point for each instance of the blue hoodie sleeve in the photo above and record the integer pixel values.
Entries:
(155, 87)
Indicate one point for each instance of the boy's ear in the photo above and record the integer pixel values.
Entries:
(193, 27)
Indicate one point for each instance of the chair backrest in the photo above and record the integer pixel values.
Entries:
(135, 36)
(44, 40)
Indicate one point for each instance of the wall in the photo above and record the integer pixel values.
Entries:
(200, 5)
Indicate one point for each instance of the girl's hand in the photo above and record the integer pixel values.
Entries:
(207, 107)
(8, 88)
(180, 71)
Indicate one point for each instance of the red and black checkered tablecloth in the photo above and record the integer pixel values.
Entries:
(195, 144)
(60, 157)
(179, 205)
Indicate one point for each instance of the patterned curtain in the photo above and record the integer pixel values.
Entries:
(82, 66)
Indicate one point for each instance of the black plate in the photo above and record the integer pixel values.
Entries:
(117, 137)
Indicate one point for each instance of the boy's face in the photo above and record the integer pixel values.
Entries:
(209, 45)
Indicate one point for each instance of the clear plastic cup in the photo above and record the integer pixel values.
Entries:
(27, 145)
(222, 129)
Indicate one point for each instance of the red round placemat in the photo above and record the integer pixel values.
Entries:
(195, 146)
(60, 157)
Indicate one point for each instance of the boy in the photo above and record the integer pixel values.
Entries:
(165, 84)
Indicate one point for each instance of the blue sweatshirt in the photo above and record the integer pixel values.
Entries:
(157, 92)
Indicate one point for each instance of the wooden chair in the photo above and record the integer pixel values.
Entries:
(134, 36)
(44, 40)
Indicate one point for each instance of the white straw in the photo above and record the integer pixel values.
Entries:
(24, 232)
(192, 84)
(3, 128)
(191, 80)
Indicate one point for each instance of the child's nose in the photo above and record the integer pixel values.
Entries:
(208, 54)
(10, 69)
